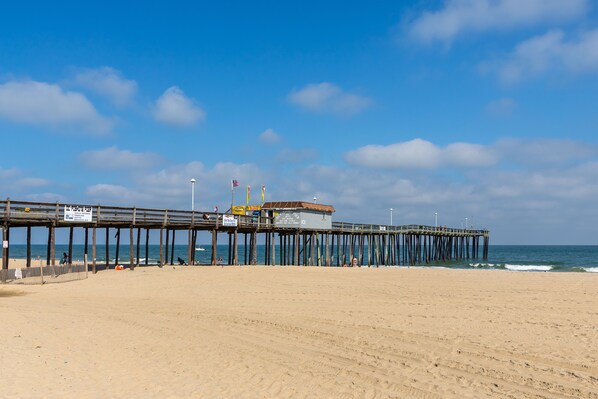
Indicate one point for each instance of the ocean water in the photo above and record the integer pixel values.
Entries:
(516, 258)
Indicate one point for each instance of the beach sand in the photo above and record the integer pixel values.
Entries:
(302, 332)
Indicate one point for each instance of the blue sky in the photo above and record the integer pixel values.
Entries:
(480, 109)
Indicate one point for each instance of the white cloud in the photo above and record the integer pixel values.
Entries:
(328, 98)
(108, 82)
(173, 107)
(549, 52)
(418, 153)
(112, 158)
(269, 136)
(502, 107)
(458, 17)
(39, 103)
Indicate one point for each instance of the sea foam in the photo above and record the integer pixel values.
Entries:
(481, 265)
(591, 269)
(527, 268)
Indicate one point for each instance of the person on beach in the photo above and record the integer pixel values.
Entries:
(65, 259)
(354, 262)
(181, 261)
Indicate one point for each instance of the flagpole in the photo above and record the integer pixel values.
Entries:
(232, 197)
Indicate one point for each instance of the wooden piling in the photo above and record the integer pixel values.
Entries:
(93, 250)
(147, 233)
(131, 250)
(28, 246)
(71, 230)
(172, 247)
(214, 243)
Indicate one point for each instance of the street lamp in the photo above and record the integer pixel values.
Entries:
(315, 199)
(466, 223)
(192, 194)
(435, 219)
(391, 216)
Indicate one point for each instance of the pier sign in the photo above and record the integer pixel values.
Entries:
(229, 221)
(78, 213)
(238, 210)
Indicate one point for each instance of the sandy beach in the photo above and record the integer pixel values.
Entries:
(298, 332)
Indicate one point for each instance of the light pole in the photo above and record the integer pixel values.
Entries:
(192, 194)
(391, 216)
(435, 219)
(466, 223)
(315, 199)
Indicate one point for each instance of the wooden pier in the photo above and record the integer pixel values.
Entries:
(344, 244)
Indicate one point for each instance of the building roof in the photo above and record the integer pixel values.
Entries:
(281, 205)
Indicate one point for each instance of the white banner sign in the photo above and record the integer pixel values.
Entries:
(75, 213)
(229, 221)
(4, 244)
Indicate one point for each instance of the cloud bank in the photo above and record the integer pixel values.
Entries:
(458, 17)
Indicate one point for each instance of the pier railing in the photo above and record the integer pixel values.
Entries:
(36, 213)
(404, 229)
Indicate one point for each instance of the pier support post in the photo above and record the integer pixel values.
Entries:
(53, 246)
(167, 246)
(236, 248)
(5, 250)
(93, 250)
(161, 262)
(172, 247)
(147, 232)
(138, 248)
(254, 248)
(131, 245)
(214, 243)
(107, 248)
(71, 229)
(86, 246)
(117, 245)
(28, 246)
(193, 245)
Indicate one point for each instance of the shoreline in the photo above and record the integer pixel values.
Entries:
(474, 265)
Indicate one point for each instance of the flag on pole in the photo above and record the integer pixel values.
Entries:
(234, 183)
(263, 193)
(248, 193)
